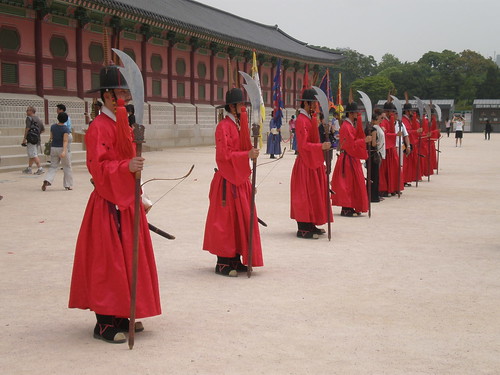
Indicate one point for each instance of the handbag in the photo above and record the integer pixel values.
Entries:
(46, 150)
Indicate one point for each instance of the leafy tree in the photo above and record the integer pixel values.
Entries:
(376, 87)
(389, 61)
(490, 88)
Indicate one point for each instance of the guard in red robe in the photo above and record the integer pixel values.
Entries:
(410, 161)
(308, 184)
(348, 181)
(102, 267)
(389, 167)
(425, 166)
(228, 219)
(435, 135)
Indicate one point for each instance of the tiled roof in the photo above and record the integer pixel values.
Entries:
(440, 102)
(204, 19)
(486, 101)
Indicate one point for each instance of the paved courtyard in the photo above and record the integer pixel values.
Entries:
(415, 289)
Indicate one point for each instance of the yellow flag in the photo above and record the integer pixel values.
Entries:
(255, 76)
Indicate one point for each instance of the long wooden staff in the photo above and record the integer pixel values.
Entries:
(429, 153)
(328, 163)
(138, 140)
(400, 161)
(369, 178)
(418, 156)
(255, 136)
(438, 152)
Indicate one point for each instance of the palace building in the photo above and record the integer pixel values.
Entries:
(51, 52)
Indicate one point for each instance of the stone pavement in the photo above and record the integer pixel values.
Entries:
(413, 290)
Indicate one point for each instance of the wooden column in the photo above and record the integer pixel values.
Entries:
(144, 65)
(79, 61)
(191, 68)
(169, 67)
(38, 54)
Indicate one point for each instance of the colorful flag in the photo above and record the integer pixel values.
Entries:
(340, 108)
(277, 96)
(255, 76)
(325, 85)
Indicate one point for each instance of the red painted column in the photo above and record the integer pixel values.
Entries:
(169, 66)
(79, 61)
(191, 63)
(144, 65)
(38, 55)
(294, 86)
(212, 78)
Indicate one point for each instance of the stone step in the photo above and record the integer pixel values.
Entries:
(11, 131)
(13, 162)
(10, 140)
(20, 150)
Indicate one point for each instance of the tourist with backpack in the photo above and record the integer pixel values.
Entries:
(32, 137)
(59, 153)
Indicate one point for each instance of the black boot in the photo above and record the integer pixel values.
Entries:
(237, 265)
(122, 325)
(223, 267)
(106, 331)
(347, 211)
(313, 228)
(304, 231)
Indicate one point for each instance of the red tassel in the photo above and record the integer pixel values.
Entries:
(360, 133)
(433, 123)
(245, 143)
(392, 120)
(414, 122)
(124, 145)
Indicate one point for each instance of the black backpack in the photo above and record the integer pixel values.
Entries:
(33, 135)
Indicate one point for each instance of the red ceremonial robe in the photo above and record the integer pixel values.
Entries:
(435, 135)
(389, 166)
(228, 225)
(308, 199)
(419, 148)
(410, 161)
(102, 267)
(348, 181)
(425, 165)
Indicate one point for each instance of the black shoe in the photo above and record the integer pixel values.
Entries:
(122, 325)
(272, 157)
(45, 184)
(223, 267)
(407, 184)
(384, 194)
(349, 212)
(307, 234)
(237, 265)
(108, 333)
(317, 230)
